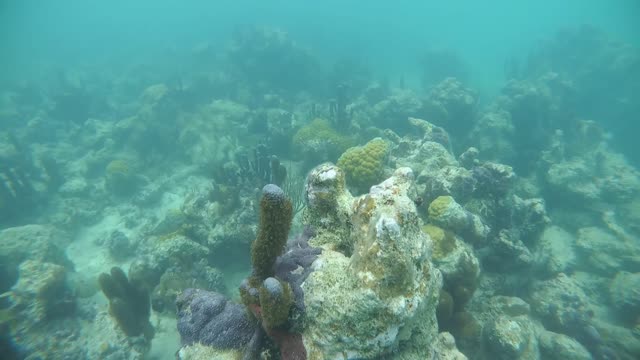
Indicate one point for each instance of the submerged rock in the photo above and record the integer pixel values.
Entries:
(625, 294)
(509, 338)
(604, 253)
(561, 304)
(555, 346)
(555, 251)
(374, 292)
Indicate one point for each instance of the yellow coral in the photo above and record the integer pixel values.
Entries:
(443, 241)
(154, 93)
(320, 131)
(117, 167)
(364, 165)
(439, 206)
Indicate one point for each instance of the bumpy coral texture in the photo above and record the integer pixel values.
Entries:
(210, 319)
(364, 165)
(318, 141)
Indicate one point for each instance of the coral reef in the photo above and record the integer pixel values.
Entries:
(514, 235)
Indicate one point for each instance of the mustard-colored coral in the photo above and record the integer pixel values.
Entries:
(443, 241)
(364, 165)
(117, 167)
(319, 138)
(439, 206)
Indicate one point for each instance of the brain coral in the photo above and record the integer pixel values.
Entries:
(364, 165)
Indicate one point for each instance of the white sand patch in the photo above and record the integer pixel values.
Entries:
(166, 341)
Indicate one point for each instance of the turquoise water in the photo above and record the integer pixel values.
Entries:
(139, 134)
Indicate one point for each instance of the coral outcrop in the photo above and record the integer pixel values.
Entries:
(367, 289)
(446, 212)
(377, 292)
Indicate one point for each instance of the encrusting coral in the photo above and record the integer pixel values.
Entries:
(318, 142)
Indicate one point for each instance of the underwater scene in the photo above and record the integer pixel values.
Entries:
(328, 180)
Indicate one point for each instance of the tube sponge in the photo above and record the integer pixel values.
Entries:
(275, 221)
(276, 299)
(128, 303)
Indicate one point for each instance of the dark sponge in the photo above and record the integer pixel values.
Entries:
(128, 302)
(275, 221)
(211, 319)
(294, 266)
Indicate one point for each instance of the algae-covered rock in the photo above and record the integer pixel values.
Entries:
(561, 304)
(603, 252)
(555, 346)
(121, 179)
(625, 294)
(555, 252)
(444, 211)
(511, 338)
(328, 206)
(456, 261)
(40, 292)
(450, 103)
(382, 296)
(197, 351)
(30, 242)
(445, 348)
